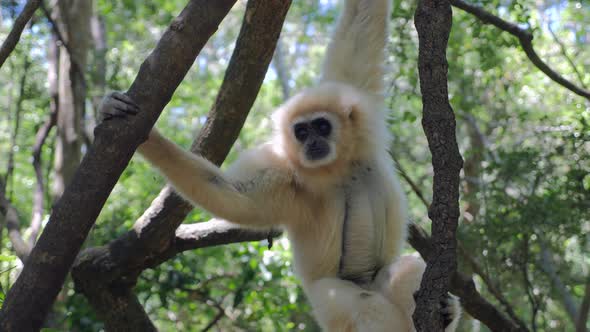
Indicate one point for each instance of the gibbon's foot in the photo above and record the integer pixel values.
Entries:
(117, 105)
(451, 312)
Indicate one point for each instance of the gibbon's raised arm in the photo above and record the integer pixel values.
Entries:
(355, 54)
(205, 185)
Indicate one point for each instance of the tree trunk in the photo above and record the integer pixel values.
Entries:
(433, 20)
(33, 293)
(98, 73)
(73, 21)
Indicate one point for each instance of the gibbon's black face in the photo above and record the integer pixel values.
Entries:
(314, 135)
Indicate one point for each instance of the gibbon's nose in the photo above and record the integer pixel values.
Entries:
(317, 149)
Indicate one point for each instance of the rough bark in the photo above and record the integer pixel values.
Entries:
(433, 20)
(17, 29)
(109, 288)
(73, 21)
(104, 273)
(30, 298)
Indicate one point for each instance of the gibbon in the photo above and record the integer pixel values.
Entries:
(326, 177)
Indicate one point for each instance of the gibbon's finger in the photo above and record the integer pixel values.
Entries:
(124, 107)
(447, 311)
(447, 319)
(113, 112)
(106, 115)
(125, 111)
(124, 98)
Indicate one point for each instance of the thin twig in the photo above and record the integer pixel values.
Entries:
(215, 320)
(415, 188)
(525, 38)
(566, 56)
(420, 241)
(534, 301)
(38, 195)
(17, 119)
(492, 286)
(17, 29)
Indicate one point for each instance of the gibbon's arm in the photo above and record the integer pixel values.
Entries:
(355, 54)
(205, 185)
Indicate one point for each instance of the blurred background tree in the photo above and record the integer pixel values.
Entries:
(525, 222)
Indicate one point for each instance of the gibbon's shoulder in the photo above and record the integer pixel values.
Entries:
(265, 162)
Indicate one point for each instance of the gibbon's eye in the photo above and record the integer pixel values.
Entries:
(301, 132)
(322, 126)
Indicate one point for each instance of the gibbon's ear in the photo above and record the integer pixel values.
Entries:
(352, 112)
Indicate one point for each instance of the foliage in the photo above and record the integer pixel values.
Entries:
(525, 139)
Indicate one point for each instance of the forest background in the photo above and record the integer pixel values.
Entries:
(523, 129)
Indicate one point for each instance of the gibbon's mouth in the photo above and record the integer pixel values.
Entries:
(317, 151)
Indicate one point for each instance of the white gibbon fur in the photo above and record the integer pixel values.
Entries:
(326, 177)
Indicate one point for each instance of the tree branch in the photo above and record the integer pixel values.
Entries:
(569, 60)
(433, 21)
(548, 266)
(33, 293)
(214, 233)
(17, 119)
(12, 221)
(38, 195)
(526, 41)
(78, 69)
(282, 70)
(17, 29)
(493, 288)
(415, 188)
(464, 287)
(99, 270)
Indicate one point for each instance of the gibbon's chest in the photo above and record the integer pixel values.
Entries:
(362, 225)
(344, 236)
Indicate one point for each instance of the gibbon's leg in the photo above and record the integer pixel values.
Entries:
(405, 277)
(340, 305)
(194, 177)
(355, 54)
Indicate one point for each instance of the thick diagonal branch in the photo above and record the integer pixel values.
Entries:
(17, 29)
(101, 272)
(525, 38)
(33, 293)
